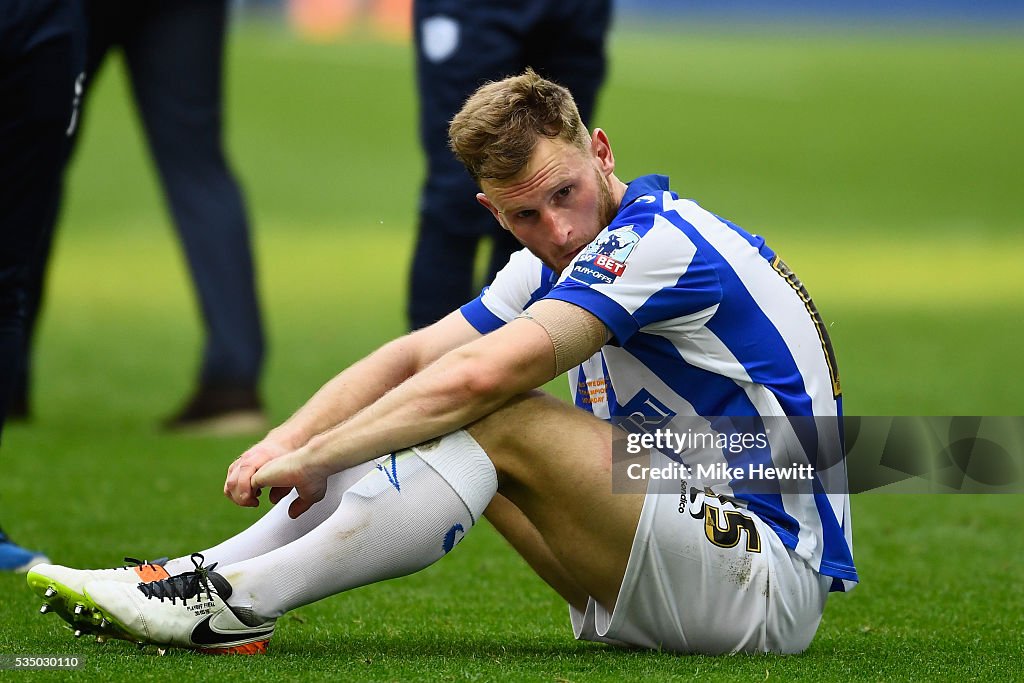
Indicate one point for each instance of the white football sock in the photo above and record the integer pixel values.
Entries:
(406, 514)
(275, 528)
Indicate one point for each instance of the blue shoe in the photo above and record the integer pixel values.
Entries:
(14, 558)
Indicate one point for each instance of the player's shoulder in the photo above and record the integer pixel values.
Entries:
(644, 198)
(523, 266)
(649, 209)
(523, 280)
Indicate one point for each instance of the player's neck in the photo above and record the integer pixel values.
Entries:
(617, 189)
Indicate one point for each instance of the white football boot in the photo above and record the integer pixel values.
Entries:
(62, 589)
(188, 610)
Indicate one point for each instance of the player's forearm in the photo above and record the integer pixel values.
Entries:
(457, 390)
(366, 381)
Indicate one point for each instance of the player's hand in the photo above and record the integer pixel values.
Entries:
(298, 471)
(237, 485)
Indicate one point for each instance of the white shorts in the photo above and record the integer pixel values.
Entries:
(709, 577)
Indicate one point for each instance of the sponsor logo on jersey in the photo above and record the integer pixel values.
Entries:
(604, 259)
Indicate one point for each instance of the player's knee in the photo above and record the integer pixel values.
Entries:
(509, 424)
(514, 436)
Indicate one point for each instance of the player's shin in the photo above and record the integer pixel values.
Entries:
(276, 528)
(405, 514)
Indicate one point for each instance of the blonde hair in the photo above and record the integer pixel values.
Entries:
(494, 133)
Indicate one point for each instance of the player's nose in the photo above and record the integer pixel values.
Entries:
(560, 228)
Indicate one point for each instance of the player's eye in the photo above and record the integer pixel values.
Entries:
(565, 191)
(526, 214)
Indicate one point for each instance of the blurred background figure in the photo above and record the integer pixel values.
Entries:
(40, 85)
(174, 53)
(460, 45)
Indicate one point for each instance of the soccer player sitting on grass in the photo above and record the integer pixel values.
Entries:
(653, 306)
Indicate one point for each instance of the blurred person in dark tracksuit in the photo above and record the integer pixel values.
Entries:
(459, 46)
(173, 50)
(41, 61)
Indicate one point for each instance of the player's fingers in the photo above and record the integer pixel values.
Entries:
(235, 477)
(311, 493)
(239, 485)
(298, 506)
(231, 478)
(278, 493)
(272, 475)
(242, 491)
(236, 484)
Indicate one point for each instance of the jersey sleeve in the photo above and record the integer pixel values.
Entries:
(523, 280)
(639, 274)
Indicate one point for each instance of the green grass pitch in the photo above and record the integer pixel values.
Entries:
(885, 168)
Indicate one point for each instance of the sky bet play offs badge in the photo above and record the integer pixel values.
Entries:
(604, 259)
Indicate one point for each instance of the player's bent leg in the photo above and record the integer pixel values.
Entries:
(276, 528)
(410, 510)
(675, 569)
(63, 588)
(563, 486)
(658, 578)
(523, 536)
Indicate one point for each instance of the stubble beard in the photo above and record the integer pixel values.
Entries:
(607, 208)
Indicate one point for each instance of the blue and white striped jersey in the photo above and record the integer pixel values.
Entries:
(705, 321)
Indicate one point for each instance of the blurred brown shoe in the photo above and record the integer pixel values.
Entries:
(220, 411)
(18, 409)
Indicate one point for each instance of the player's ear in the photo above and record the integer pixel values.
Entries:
(486, 203)
(601, 148)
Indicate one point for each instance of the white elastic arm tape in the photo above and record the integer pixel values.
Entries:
(575, 334)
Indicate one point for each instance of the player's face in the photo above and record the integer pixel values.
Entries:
(560, 202)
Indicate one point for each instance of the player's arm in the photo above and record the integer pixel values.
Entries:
(370, 378)
(462, 386)
(349, 392)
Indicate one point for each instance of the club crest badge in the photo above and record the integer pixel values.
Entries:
(440, 37)
(604, 259)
